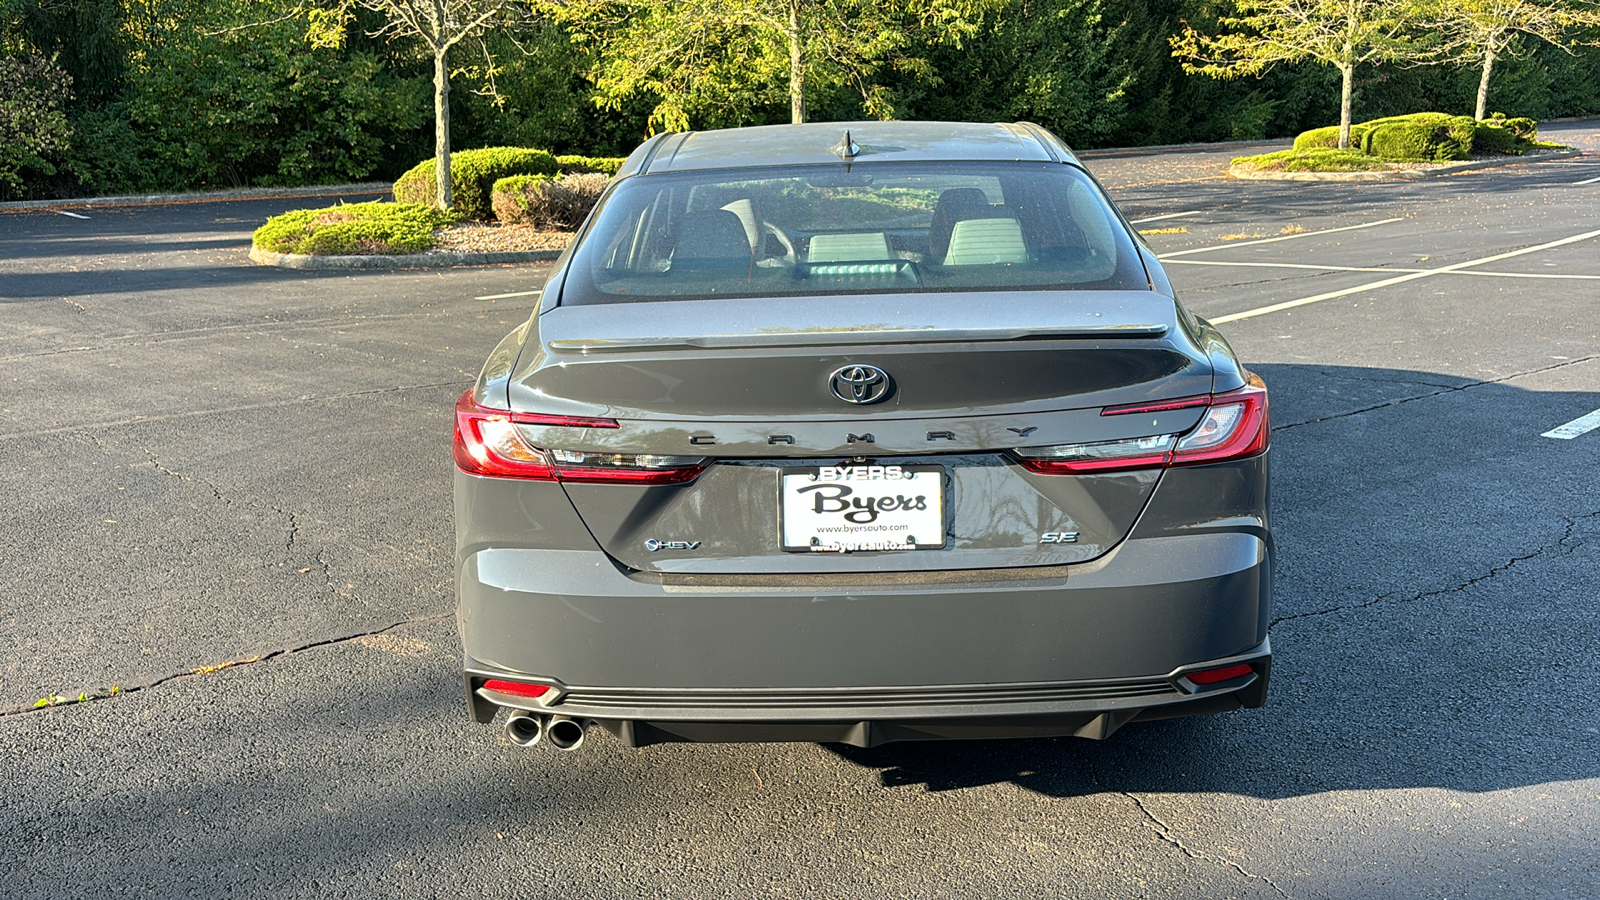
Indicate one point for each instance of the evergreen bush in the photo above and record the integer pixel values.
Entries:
(545, 202)
(604, 165)
(356, 228)
(472, 177)
(1328, 138)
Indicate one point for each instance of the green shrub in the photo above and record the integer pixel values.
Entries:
(1328, 138)
(1524, 129)
(1418, 136)
(32, 124)
(472, 177)
(1492, 138)
(357, 228)
(1423, 136)
(545, 202)
(605, 165)
(1315, 159)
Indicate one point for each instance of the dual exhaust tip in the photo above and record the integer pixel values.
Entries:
(527, 729)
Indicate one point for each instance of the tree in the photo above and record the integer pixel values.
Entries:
(1339, 33)
(1483, 30)
(727, 57)
(440, 25)
(32, 125)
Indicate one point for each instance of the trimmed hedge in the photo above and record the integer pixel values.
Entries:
(1313, 159)
(1422, 136)
(1428, 137)
(1524, 128)
(604, 165)
(472, 177)
(538, 200)
(353, 229)
(1328, 138)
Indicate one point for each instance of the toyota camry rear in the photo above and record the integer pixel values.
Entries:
(894, 433)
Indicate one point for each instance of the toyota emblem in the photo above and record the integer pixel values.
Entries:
(859, 384)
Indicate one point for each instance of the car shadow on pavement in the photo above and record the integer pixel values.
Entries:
(1437, 561)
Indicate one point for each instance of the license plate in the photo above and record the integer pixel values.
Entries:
(847, 507)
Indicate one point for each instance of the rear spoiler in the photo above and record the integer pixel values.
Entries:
(866, 334)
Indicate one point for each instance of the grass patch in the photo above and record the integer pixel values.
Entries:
(1316, 159)
(374, 228)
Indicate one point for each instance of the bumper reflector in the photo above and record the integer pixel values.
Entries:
(517, 688)
(1214, 676)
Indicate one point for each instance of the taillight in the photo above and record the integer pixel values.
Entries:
(491, 442)
(1234, 426)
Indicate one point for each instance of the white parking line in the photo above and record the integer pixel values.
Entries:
(1410, 276)
(1387, 269)
(62, 212)
(1268, 265)
(1580, 426)
(1192, 212)
(1590, 181)
(1270, 240)
(507, 296)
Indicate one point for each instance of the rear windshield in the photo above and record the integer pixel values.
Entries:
(824, 230)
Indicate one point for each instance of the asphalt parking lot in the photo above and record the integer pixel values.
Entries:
(226, 559)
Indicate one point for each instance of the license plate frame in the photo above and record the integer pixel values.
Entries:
(874, 528)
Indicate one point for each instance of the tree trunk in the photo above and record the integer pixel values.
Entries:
(441, 129)
(797, 67)
(1483, 83)
(1348, 71)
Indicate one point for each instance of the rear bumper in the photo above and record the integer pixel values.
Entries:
(866, 717)
(1067, 650)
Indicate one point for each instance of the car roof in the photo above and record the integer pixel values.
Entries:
(816, 143)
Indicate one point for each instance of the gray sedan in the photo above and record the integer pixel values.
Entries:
(894, 435)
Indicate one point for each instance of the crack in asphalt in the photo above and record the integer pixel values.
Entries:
(119, 691)
(1563, 544)
(1445, 390)
(1165, 833)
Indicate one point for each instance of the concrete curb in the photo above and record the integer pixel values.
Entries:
(374, 187)
(1242, 173)
(429, 260)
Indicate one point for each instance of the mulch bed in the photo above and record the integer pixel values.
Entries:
(476, 237)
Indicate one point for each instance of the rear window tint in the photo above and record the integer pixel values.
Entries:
(824, 230)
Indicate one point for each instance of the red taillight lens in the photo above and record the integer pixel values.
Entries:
(490, 442)
(1105, 456)
(1161, 406)
(1217, 676)
(517, 688)
(1234, 427)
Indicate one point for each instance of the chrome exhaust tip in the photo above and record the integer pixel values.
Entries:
(524, 728)
(565, 733)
